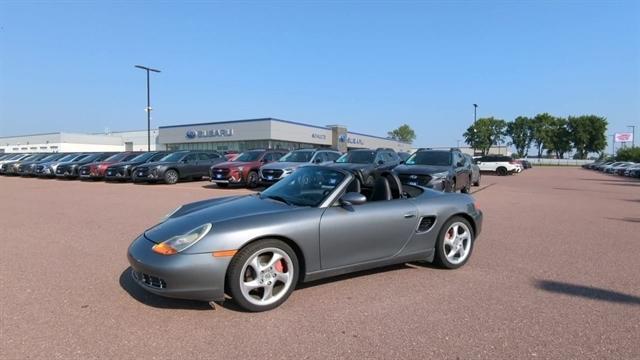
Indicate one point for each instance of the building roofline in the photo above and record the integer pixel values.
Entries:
(377, 137)
(39, 134)
(245, 121)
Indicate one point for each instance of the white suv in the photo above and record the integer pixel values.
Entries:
(500, 164)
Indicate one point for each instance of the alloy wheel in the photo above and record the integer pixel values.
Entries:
(266, 276)
(457, 243)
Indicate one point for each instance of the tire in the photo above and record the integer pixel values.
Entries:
(477, 183)
(241, 271)
(443, 246)
(502, 171)
(171, 176)
(222, 186)
(467, 188)
(252, 179)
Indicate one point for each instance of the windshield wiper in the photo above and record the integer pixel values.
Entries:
(279, 198)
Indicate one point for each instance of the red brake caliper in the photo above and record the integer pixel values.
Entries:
(280, 266)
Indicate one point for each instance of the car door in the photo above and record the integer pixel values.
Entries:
(368, 232)
(461, 170)
(189, 165)
(484, 163)
(203, 163)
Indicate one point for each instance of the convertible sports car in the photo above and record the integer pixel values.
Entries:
(315, 223)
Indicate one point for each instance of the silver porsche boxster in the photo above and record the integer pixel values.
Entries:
(316, 223)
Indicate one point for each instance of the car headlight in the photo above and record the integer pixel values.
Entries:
(180, 243)
(439, 176)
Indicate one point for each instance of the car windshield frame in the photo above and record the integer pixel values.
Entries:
(354, 157)
(415, 160)
(248, 156)
(290, 157)
(314, 183)
(174, 157)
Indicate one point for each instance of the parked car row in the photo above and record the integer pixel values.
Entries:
(622, 168)
(447, 170)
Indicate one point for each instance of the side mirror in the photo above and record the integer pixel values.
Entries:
(184, 161)
(352, 198)
(380, 162)
(460, 164)
(401, 162)
(317, 160)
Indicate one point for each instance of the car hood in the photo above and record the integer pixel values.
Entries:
(284, 165)
(420, 169)
(128, 163)
(213, 211)
(233, 164)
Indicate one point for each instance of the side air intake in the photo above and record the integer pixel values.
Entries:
(426, 223)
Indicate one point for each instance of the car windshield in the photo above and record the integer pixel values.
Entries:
(249, 156)
(143, 156)
(174, 157)
(78, 157)
(297, 156)
(68, 157)
(357, 157)
(307, 186)
(437, 158)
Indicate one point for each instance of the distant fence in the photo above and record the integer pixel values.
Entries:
(558, 162)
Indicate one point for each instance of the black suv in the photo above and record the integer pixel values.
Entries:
(176, 166)
(366, 162)
(446, 170)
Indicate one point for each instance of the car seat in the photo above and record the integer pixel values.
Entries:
(381, 189)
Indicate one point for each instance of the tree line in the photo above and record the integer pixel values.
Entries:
(547, 133)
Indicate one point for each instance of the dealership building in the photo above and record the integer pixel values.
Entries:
(268, 133)
(236, 135)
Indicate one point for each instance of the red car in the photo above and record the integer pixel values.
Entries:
(244, 169)
(96, 170)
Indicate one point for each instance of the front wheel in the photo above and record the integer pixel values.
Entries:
(455, 243)
(252, 179)
(262, 275)
(477, 182)
(171, 176)
(501, 171)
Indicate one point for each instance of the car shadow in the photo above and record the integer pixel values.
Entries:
(588, 292)
(626, 219)
(627, 180)
(621, 183)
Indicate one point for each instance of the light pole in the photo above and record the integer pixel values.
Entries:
(475, 107)
(633, 135)
(613, 144)
(147, 69)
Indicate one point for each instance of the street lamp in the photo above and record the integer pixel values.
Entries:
(475, 107)
(633, 135)
(148, 109)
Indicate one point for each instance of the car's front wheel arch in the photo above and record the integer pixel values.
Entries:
(292, 244)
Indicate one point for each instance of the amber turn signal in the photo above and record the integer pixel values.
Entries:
(224, 253)
(164, 249)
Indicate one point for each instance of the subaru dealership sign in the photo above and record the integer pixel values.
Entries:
(192, 134)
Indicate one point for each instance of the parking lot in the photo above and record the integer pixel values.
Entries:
(553, 275)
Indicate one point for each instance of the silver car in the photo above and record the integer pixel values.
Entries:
(272, 172)
(316, 223)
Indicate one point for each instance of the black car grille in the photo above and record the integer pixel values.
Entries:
(142, 171)
(85, 170)
(426, 223)
(276, 173)
(222, 171)
(40, 168)
(150, 280)
(115, 171)
(412, 179)
(62, 169)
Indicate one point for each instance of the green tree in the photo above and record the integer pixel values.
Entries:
(628, 154)
(587, 133)
(403, 133)
(558, 137)
(541, 126)
(520, 131)
(485, 133)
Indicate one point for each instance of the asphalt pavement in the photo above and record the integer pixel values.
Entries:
(554, 275)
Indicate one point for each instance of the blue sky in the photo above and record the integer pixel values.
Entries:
(369, 65)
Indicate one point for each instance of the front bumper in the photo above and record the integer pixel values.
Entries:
(229, 178)
(181, 276)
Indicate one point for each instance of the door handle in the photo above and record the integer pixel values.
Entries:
(409, 215)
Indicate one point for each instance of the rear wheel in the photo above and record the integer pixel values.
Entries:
(171, 176)
(252, 179)
(455, 243)
(262, 275)
(501, 171)
(477, 182)
(222, 185)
